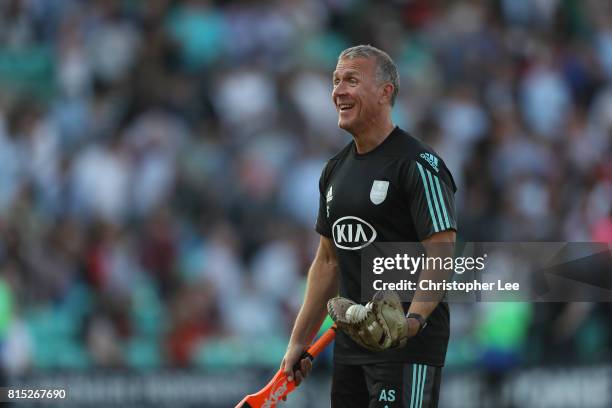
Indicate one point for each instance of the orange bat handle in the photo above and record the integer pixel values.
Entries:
(322, 342)
(279, 386)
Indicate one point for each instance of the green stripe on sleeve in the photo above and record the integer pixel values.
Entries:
(435, 199)
(442, 204)
(425, 185)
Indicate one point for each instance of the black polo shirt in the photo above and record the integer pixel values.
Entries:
(399, 192)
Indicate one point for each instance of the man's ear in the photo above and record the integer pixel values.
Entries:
(387, 93)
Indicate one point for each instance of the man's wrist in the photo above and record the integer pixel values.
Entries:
(297, 344)
(412, 327)
(416, 323)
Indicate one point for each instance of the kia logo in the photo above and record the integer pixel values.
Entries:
(352, 233)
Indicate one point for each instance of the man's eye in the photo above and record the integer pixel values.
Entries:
(336, 81)
(353, 81)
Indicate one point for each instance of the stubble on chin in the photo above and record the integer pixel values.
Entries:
(344, 125)
(349, 126)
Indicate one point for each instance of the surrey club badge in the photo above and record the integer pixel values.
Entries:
(378, 193)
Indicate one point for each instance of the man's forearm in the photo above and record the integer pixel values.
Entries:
(322, 285)
(424, 302)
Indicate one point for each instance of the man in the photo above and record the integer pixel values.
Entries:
(398, 186)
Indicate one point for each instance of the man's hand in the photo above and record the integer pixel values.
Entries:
(292, 356)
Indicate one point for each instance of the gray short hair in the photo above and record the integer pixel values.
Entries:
(386, 70)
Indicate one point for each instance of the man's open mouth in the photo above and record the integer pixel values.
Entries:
(345, 106)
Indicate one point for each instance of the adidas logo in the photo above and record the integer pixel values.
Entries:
(431, 159)
(330, 194)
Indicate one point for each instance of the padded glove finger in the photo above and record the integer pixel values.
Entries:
(360, 323)
(387, 307)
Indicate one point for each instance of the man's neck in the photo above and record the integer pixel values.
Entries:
(370, 138)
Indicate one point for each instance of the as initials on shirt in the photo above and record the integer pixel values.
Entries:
(387, 395)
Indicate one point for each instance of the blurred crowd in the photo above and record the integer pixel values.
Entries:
(159, 165)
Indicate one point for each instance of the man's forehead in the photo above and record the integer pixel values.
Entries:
(353, 65)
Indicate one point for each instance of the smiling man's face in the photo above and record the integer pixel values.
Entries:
(357, 93)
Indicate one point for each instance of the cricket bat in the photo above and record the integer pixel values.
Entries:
(279, 386)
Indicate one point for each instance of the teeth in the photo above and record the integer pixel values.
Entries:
(345, 106)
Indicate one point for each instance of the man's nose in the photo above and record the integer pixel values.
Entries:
(339, 90)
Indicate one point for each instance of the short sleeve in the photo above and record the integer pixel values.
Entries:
(430, 191)
(322, 226)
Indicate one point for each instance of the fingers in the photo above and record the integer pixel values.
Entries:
(304, 370)
(298, 378)
(287, 369)
(306, 366)
(302, 367)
